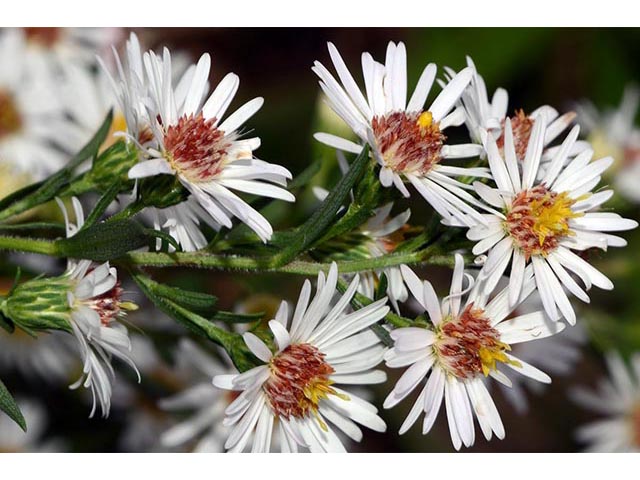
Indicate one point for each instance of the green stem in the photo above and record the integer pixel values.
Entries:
(30, 245)
(297, 267)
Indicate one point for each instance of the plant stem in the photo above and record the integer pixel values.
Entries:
(30, 245)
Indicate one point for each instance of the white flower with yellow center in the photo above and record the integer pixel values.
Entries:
(461, 346)
(30, 114)
(538, 222)
(206, 154)
(406, 139)
(96, 306)
(482, 114)
(296, 390)
(618, 397)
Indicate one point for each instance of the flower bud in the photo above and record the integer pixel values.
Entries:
(39, 304)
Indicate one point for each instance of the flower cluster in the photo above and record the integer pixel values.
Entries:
(523, 196)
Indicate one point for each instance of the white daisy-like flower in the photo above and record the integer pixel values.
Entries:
(207, 155)
(458, 350)
(29, 113)
(295, 390)
(540, 221)
(618, 397)
(480, 114)
(406, 139)
(205, 427)
(613, 132)
(96, 305)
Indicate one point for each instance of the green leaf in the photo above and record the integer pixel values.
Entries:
(324, 217)
(196, 301)
(33, 226)
(104, 241)
(230, 317)
(381, 290)
(9, 406)
(101, 206)
(53, 185)
(6, 324)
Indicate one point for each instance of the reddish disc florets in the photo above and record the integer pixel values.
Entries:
(635, 425)
(521, 126)
(10, 121)
(538, 219)
(46, 36)
(299, 380)
(408, 142)
(468, 345)
(108, 305)
(196, 148)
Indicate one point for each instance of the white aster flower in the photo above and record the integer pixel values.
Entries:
(96, 305)
(618, 397)
(207, 155)
(29, 113)
(295, 391)
(482, 114)
(613, 133)
(539, 221)
(406, 139)
(458, 350)
(205, 427)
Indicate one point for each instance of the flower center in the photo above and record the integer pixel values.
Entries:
(468, 345)
(539, 219)
(408, 142)
(521, 125)
(45, 36)
(119, 124)
(109, 305)
(196, 148)
(635, 425)
(10, 120)
(299, 381)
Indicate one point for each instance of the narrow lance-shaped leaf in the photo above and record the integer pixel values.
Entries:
(9, 406)
(323, 218)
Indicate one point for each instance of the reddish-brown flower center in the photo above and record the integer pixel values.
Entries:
(538, 219)
(408, 142)
(468, 345)
(45, 36)
(196, 148)
(635, 425)
(299, 380)
(521, 125)
(108, 305)
(10, 120)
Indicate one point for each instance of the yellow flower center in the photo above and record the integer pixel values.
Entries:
(409, 142)
(538, 219)
(299, 381)
(468, 345)
(10, 119)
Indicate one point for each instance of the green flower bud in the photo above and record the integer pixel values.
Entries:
(113, 164)
(39, 304)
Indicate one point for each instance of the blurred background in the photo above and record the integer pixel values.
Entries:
(558, 67)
